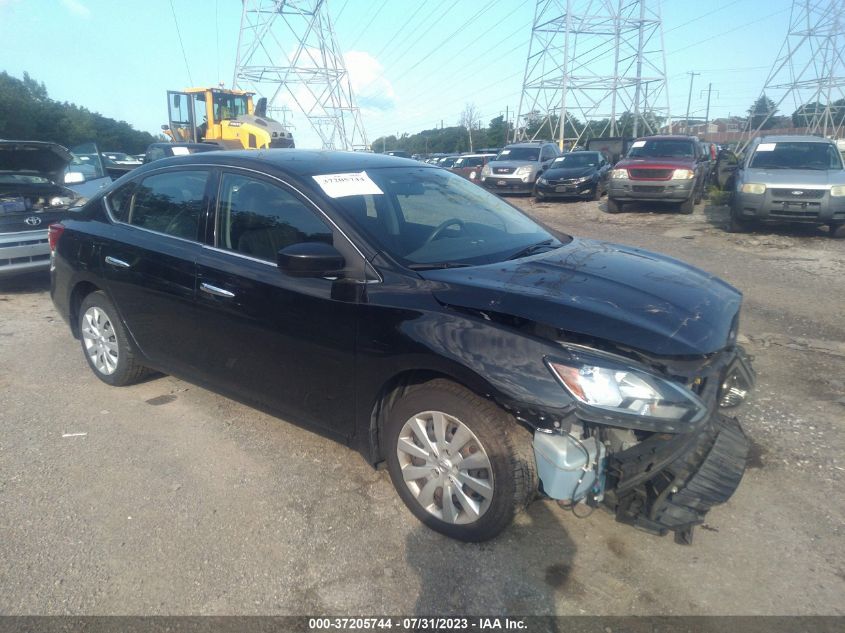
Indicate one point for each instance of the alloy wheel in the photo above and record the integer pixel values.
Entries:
(100, 340)
(445, 467)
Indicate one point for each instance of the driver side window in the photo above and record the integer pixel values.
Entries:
(172, 203)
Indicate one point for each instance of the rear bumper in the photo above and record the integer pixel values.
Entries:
(769, 207)
(626, 190)
(23, 252)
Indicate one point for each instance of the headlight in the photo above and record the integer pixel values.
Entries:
(584, 179)
(485, 171)
(753, 187)
(837, 191)
(683, 174)
(612, 384)
(522, 171)
(542, 181)
(619, 173)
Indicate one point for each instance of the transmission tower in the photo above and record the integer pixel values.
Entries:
(594, 60)
(288, 53)
(809, 71)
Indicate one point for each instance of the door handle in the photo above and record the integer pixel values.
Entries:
(217, 292)
(114, 261)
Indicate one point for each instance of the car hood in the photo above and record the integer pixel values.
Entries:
(45, 159)
(796, 178)
(658, 163)
(569, 172)
(620, 294)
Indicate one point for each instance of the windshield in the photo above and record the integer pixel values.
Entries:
(228, 106)
(663, 148)
(519, 153)
(577, 159)
(796, 155)
(433, 217)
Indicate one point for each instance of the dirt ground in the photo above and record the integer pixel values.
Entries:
(164, 498)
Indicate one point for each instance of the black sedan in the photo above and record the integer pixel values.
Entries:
(574, 175)
(410, 314)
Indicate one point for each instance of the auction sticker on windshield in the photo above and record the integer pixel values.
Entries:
(638, 144)
(341, 185)
(766, 147)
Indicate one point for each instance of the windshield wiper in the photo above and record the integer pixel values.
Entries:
(437, 266)
(534, 248)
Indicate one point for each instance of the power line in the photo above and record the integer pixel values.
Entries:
(722, 33)
(364, 30)
(181, 45)
(402, 28)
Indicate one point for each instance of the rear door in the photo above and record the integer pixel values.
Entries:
(284, 342)
(149, 261)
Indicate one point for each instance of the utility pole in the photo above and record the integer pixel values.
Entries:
(707, 112)
(689, 100)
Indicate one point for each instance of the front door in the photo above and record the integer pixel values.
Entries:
(183, 125)
(284, 342)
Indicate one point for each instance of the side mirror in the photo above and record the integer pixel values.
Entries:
(310, 259)
(74, 178)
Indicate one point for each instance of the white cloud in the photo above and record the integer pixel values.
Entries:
(76, 7)
(372, 89)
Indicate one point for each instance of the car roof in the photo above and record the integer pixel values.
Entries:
(532, 144)
(297, 162)
(667, 137)
(796, 138)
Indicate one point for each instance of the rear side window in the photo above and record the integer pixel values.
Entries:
(120, 201)
(259, 219)
(170, 203)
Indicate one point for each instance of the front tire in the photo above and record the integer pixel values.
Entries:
(612, 205)
(105, 343)
(837, 231)
(460, 464)
(687, 205)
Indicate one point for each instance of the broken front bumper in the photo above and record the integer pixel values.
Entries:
(670, 482)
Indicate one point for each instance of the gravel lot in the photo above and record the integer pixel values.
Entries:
(179, 501)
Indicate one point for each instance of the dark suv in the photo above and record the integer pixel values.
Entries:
(660, 169)
(517, 167)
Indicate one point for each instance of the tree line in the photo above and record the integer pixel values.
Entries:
(28, 114)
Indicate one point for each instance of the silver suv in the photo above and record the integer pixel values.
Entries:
(516, 168)
(790, 179)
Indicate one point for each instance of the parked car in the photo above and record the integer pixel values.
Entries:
(120, 158)
(660, 169)
(447, 161)
(423, 321)
(87, 174)
(516, 168)
(398, 153)
(614, 147)
(576, 174)
(32, 196)
(789, 179)
(157, 151)
(469, 165)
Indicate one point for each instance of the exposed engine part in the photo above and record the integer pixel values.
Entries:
(619, 440)
(571, 469)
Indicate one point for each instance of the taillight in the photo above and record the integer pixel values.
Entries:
(54, 233)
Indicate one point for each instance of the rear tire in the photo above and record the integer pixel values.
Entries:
(837, 231)
(613, 206)
(432, 433)
(105, 343)
(688, 205)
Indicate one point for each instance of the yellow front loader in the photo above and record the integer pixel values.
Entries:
(224, 117)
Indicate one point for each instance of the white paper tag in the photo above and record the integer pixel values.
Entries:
(766, 147)
(505, 152)
(341, 185)
(180, 151)
(638, 144)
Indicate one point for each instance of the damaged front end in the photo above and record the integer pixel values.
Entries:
(646, 437)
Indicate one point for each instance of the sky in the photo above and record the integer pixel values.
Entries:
(413, 63)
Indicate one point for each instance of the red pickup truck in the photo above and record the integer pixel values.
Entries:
(660, 169)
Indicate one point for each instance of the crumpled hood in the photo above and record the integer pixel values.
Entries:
(46, 159)
(621, 294)
(796, 178)
(558, 173)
